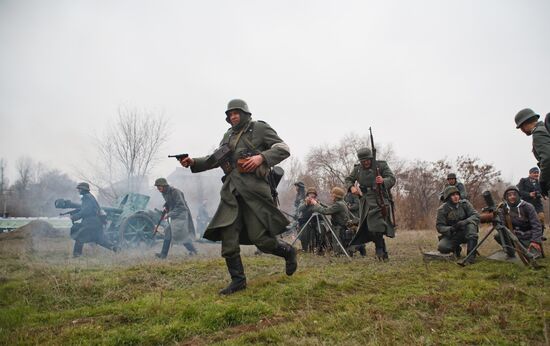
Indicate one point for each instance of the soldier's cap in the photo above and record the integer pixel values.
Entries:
(534, 170)
(237, 104)
(300, 184)
(449, 190)
(161, 182)
(338, 192)
(83, 186)
(451, 176)
(311, 190)
(525, 115)
(510, 188)
(364, 154)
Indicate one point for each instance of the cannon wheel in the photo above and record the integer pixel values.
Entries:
(136, 229)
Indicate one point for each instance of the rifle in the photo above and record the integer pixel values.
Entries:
(179, 156)
(162, 215)
(380, 201)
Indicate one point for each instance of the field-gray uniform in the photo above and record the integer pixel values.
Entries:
(460, 186)
(181, 229)
(520, 217)
(372, 224)
(247, 213)
(90, 229)
(541, 145)
(457, 223)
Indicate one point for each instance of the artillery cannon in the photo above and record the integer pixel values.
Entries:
(128, 225)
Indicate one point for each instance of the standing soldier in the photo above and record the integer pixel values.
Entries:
(339, 216)
(181, 228)
(457, 223)
(529, 191)
(521, 218)
(452, 181)
(247, 213)
(527, 121)
(300, 194)
(90, 229)
(373, 224)
(309, 236)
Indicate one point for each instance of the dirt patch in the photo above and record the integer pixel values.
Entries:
(24, 240)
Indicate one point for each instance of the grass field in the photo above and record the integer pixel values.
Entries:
(46, 297)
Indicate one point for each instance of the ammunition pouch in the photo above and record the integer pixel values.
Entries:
(222, 157)
(364, 188)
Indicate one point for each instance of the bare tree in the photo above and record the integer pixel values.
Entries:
(3, 180)
(24, 167)
(127, 152)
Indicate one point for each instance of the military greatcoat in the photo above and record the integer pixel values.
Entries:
(250, 188)
(369, 210)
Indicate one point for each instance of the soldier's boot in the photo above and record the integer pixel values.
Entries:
(236, 271)
(471, 244)
(165, 248)
(362, 250)
(458, 250)
(288, 252)
(191, 248)
(77, 249)
(381, 253)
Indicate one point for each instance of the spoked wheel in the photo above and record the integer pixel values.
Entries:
(136, 229)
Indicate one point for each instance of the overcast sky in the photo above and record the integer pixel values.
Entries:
(433, 78)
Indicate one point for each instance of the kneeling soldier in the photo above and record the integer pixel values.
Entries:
(457, 222)
(521, 218)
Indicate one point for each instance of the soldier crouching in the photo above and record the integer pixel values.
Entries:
(521, 218)
(247, 213)
(458, 223)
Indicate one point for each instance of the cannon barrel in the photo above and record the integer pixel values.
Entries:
(68, 204)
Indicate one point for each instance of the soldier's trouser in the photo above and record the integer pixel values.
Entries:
(306, 237)
(379, 243)
(448, 244)
(257, 233)
(101, 240)
(507, 245)
(541, 219)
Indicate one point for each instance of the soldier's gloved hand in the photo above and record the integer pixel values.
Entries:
(461, 224)
(73, 218)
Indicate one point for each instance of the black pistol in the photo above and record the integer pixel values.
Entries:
(179, 156)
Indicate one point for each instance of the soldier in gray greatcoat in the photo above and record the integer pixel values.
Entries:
(373, 225)
(457, 223)
(181, 228)
(90, 229)
(527, 121)
(247, 213)
(300, 194)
